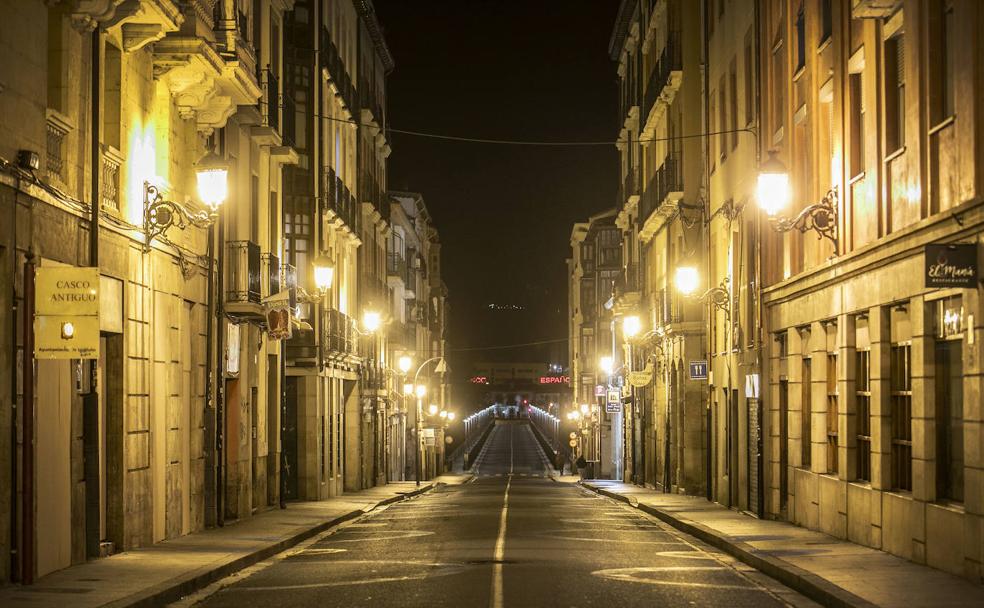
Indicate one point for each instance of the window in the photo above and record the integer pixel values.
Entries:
(733, 101)
(588, 297)
(778, 90)
(807, 412)
(749, 79)
(862, 395)
(587, 346)
(723, 119)
(894, 93)
(945, 60)
(800, 39)
(901, 412)
(826, 20)
(832, 414)
(856, 117)
(949, 401)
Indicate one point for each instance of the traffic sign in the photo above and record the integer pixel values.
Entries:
(698, 370)
(613, 408)
(614, 395)
(573, 435)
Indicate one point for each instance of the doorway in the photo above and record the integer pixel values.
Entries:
(290, 439)
(783, 445)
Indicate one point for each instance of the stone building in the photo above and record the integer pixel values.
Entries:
(148, 450)
(419, 329)
(593, 269)
(657, 48)
(873, 380)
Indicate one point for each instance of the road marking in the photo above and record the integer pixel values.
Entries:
(433, 569)
(632, 575)
(500, 549)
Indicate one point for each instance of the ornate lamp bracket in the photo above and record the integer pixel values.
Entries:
(820, 217)
(161, 214)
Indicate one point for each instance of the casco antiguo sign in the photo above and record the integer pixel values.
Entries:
(953, 265)
(66, 313)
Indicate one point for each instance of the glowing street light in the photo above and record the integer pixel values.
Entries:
(408, 389)
(213, 180)
(432, 409)
(451, 416)
(631, 326)
(444, 413)
(607, 364)
(585, 408)
(686, 279)
(405, 363)
(420, 391)
(324, 274)
(371, 320)
(773, 186)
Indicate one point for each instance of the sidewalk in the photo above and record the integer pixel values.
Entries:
(828, 570)
(162, 573)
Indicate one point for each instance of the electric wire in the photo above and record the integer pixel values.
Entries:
(508, 346)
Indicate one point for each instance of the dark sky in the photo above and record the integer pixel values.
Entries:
(503, 69)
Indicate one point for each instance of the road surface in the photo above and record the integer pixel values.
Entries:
(512, 537)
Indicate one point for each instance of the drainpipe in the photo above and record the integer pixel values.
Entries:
(27, 425)
(219, 377)
(14, 309)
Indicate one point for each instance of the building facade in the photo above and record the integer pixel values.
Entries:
(197, 412)
(594, 268)
(823, 369)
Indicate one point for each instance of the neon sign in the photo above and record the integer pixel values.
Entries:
(480, 380)
(555, 379)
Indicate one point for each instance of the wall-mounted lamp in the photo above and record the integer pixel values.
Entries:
(324, 274)
(774, 196)
(161, 214)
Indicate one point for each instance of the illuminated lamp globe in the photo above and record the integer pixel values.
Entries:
(773, 186)
(451, 416)
(444, 414)
(213, 180)
(324, 274)
(432, 409)
(631, 326)
(585, 408)
(371, 320)
(405, 363)
(420, 391)
(686, 279)
(408, 389)
(607, 364)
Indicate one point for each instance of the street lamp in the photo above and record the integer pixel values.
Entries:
(607, 364)
(324, 274)
(160, 214)
(420, 391)
(451, 416)
(405, 363)
(213, 180)
(686, 279)
(371, 321)
(631, 326)
(774, 196)
(432, 409)
(408, 389)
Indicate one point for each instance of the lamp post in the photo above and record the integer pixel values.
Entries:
(421, 391)
(631, 325)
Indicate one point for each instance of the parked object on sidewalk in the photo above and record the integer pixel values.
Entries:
(582, 466)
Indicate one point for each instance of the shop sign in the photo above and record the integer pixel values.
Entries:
(642, 377)
(278, 316)
(953, 265)
(66, 313)
(555, 379)
(614, 395)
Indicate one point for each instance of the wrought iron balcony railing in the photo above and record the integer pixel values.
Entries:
(337, 198)
(270, 275)
(243, 276)
(670, 60)
(338, 336)
(668, 178)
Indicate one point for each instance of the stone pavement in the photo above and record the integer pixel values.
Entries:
(161, 573)
(828, 570)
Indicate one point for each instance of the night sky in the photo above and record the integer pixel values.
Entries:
(504, 69)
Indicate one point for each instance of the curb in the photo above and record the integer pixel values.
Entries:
(812, 586)
(199, 579)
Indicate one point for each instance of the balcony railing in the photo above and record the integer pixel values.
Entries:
(288, 281)
(629, 186)
(670, 60)
(270, 105)
(396, 265)
(337, 198)
(337, 333)
(668, 178)
(288, 132)
(332, 60)
(110, 183)
(270, 274)
(243, 276)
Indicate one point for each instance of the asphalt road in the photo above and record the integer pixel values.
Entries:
(511, 537)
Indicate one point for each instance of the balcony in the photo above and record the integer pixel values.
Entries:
(336, 72)
(665, 78)
(270, 104)
(628, 191)
(396, 267)
(243, 280)
(270, 275)
(338, 337)
(337, 200)
(660, 199)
